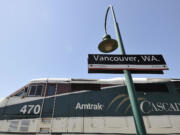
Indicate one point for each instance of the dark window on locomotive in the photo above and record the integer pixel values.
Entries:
(151, 87)
(36, 90)
(39, 90)
(26, 90)
(84, 86)
(32, 90)
(51, 90)
(177, 85)
(20, 93)
(63, 88)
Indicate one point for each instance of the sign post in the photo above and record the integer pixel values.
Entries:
(139, 123)
(126, 64)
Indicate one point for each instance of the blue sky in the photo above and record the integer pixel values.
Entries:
(52, 38)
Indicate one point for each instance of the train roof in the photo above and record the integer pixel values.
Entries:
(101, 81)
(119, 81)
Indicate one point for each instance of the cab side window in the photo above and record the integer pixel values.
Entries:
(32, 91)
(20, 93)
(51, 89)
(39, 90)
(26, 91)
(36, 90)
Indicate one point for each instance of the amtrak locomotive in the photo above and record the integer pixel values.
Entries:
(87, 106)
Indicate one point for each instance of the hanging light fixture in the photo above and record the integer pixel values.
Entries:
(107, 44)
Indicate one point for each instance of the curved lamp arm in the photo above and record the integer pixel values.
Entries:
(114, 17)
(105, 30)
(119, 38)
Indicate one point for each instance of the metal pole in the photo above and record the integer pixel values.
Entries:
(139, 123)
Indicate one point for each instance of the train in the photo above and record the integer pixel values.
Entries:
(58, 106)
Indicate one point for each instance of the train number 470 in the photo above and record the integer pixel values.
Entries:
(29, 109)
